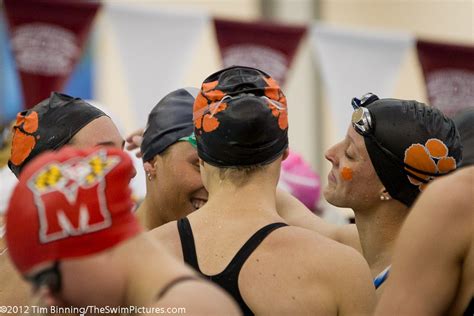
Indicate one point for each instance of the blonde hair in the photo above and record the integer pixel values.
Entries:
(239, 175)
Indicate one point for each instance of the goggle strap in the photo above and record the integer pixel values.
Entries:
(211, 108)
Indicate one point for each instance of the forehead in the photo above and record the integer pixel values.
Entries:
(182, 150)
(355, 138)
(99, 131)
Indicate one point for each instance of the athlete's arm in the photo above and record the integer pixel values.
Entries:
(351, 282)
(296, 213)
(432, 245)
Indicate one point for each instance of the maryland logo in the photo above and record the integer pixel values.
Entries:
(431, 157)
(70, 196)
(24, 139)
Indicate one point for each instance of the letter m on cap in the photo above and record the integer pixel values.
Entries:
(70, 197)
(64, 217)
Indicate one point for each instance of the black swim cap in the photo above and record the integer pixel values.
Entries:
(48, 126)
(410, 144)
(170, 120)
(464, 121)
(240, 118)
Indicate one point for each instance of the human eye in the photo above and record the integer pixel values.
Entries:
(348, 155)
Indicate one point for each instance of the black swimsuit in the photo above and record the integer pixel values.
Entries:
(227, 279)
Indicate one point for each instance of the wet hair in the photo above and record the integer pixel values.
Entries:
(239, 175)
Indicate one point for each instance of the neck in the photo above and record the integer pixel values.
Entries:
(149, 214)
(256, 196)
(378, 230)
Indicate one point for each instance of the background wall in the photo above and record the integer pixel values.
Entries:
(311, 132)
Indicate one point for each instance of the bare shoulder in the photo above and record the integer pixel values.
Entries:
(165, 231)
(168, 236)
(458, 183)
(450, 195)
(313, 272)
(320, 251)
(423, 253)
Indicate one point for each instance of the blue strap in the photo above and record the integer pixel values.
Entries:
(380, 279)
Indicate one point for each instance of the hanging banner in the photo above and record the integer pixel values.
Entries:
(449, 75)
(156, 48)
(10, 91)
(47, 38)
(355, 62)
(267, 46)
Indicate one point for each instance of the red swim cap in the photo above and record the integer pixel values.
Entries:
(70, 203)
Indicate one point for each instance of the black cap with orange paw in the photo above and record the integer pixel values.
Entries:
(240, 118)
(48, 126)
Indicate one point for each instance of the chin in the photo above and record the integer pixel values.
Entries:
(332, 199)
(328, 193)
(185, 211)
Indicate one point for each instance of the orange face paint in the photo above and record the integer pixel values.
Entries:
(346, 173)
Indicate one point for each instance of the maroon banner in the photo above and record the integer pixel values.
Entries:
(449, 75)
(47, 39)
(267, 46)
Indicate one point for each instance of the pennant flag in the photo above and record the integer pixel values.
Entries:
(10, 93)
(267, 46)
(47, 39)
(449, 75)
(354, 63)
(155, 47)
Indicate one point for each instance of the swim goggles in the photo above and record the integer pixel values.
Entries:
(190, 139)
(361, 118)
(363, 123)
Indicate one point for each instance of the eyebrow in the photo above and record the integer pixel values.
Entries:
(352, 142)
(109, 143)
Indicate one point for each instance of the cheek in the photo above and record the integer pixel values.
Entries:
(195, 178)
(346, 174)
(190, 179)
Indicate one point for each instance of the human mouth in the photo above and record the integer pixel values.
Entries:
(331, 177)
(198, 203)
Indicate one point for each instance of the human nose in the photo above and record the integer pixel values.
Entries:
(331, 154)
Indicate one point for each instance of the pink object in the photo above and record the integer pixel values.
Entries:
(300, 180)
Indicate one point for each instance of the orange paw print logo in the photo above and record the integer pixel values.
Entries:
(208, 122)
(23, 139)
(432, 158)
(273, 92)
